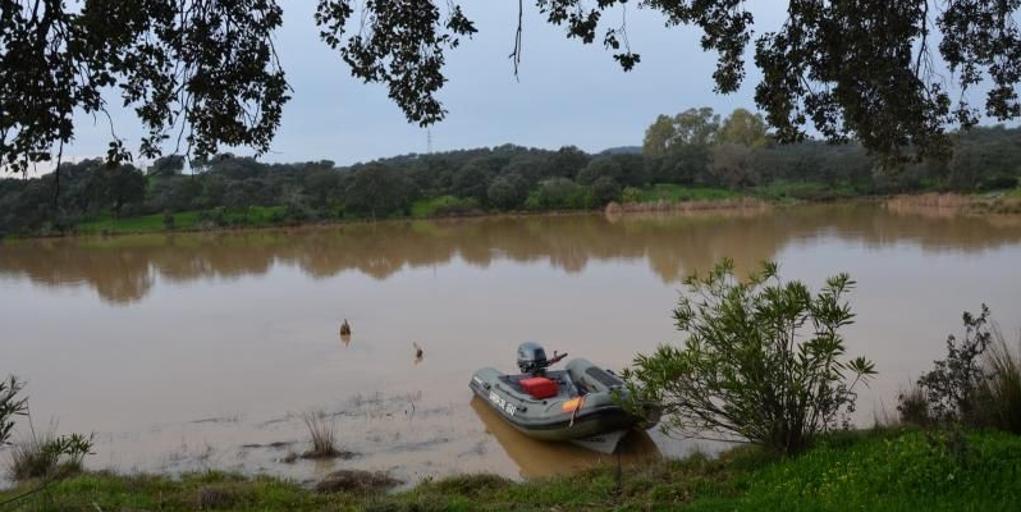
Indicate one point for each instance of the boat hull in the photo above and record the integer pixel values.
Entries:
(564, 417)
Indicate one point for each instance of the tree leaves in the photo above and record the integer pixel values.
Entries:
(11, 405)
(205, 73)
(196, 73)
(400, 44)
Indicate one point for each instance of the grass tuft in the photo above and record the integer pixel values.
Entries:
(213, 497)
(322, 435)
(48, 456)
(1000, 393)
(914, 407)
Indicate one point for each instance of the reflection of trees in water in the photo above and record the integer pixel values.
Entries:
(123, 269)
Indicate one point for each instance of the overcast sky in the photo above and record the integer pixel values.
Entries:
(568, 93)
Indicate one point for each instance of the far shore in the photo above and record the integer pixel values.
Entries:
(1008, 203)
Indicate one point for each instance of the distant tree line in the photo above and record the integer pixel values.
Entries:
(694, 148)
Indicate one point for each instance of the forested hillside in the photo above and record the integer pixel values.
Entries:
(693, 151)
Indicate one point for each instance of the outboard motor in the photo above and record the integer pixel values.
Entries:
(532, 358)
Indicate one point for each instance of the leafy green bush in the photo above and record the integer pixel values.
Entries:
(507, 192)
(559, 194)
(215, 216)
(631, 195)
(951, 387)
(604, 190)
(761, 360)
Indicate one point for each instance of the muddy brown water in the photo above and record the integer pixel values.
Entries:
(202, 351)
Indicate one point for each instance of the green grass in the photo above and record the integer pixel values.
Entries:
(140, 224)
(677, 193)
(803, 191)
(257, 216)
(888, 470)
(442, 205)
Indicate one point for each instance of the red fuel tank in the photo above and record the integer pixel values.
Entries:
(539, 387)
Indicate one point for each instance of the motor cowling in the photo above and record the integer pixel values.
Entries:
(532, 358)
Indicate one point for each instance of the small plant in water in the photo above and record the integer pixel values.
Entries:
(49, 456)
(46, 456)
(321, 434)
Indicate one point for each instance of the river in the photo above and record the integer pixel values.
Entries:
(194, 351)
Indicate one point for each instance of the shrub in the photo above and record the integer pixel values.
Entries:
(559, 194)
(214, 217)
(978, 384)
(914, 407)
(951, 387)
(168, 221)
(762, 360)
(631, 195)
(1000, 182)
(604, 190)
(450, 206)
(49, 456)
(507, 192)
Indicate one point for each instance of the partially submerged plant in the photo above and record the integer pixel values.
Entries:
(46, 456)
(762, 361)
(49, 456)
(321, 434)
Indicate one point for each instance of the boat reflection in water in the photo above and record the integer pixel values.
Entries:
(536, 458)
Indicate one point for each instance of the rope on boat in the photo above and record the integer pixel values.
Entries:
(574, 413)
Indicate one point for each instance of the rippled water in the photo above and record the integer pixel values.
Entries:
(192, 351)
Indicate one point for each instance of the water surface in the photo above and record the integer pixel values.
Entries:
(191, 351)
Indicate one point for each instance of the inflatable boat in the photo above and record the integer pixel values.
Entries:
(577, 404)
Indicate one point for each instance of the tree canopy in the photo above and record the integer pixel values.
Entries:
(201, 74)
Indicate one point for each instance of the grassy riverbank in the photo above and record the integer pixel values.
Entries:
(877, 470)
(654, 198)
(430, 208)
